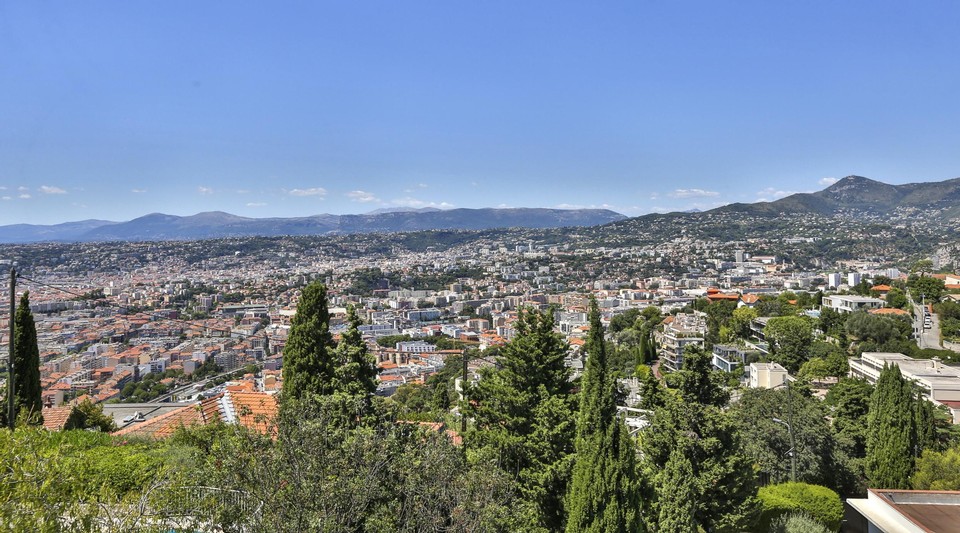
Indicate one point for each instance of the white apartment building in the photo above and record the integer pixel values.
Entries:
(847, 303)
(684, 330)
(940, 383)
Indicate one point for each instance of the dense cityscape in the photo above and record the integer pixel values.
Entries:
(153, 341)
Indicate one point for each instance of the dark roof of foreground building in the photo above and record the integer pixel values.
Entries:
(923, 511)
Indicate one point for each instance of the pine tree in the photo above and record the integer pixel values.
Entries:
(26, 357)
(523, 413)
(604, 491)
(891, 431)
(308, 368)
(723, 475)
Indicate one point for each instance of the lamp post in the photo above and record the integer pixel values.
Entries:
(791, 451)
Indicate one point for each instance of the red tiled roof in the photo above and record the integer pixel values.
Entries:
(54, 418)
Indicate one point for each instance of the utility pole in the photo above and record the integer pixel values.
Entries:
(11, 388)
(463, 392)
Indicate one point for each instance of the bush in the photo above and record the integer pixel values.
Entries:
(821, 503)
(797, 523)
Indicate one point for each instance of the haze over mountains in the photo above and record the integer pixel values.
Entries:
(214, 224)
(854, 196)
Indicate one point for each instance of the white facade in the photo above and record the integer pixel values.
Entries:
(767, 375)
(845, 303)
(940, 383)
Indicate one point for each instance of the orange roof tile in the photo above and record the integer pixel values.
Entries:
(889, 311)
(54, 418)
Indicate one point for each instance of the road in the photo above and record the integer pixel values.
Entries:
(928, 338)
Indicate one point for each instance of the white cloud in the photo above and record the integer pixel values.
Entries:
(243, 191)
(770, 194)
(50, 189)
(362, 197)
(312, 191)
(25, 196)
(138, 191)
(417, 204)
(692, 193)
(256, 204)
(23, 189)
(6, 198)
(583, 206)
(422, 185)
(2, 188)
(205, 190)
(827, 181)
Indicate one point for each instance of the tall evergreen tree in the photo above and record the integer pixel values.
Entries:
(26, 357)
(604, 493)
(891, 431)
(523, 413)
(308, 367)
(356, 373)
(679, 505)
(723, 477)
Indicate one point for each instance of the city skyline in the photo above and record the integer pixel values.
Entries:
(301, 110)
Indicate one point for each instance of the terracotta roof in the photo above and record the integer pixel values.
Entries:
(164, 425)
(749, 298)
(880, 288)
(888, 311)
(55, 417)
(255, 410)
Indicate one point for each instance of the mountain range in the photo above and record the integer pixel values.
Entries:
(215, 224)
(853, 196)
(856, 195)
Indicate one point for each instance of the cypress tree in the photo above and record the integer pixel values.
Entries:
(925, 423)
(26, 357)
(523, 412)
(891, 431)
(679, 502)
(308, 368)
(356, 374)
(604, 491)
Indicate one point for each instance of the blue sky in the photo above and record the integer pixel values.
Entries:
(114, 110)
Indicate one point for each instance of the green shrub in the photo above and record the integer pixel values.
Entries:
(797, 523)
(821, 503)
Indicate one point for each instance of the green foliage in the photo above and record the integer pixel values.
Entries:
(790, 338)
(723, 480)
(87, 415)
(891, 431)
(767, 442)
(925, 288)
(390, 341)
(26, 357)
(896, 298)
(523, 415)
(797, 522)
(740, 322)
(937, 470)
(719, 315)
(356, 373)
(316, 474)
(698, 381)
(81, 481)
(678, 503)
(821, 503)
(604, 491)
(308, 368)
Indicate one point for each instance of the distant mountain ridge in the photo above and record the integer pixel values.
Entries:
(215, 224)
(854, 195)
